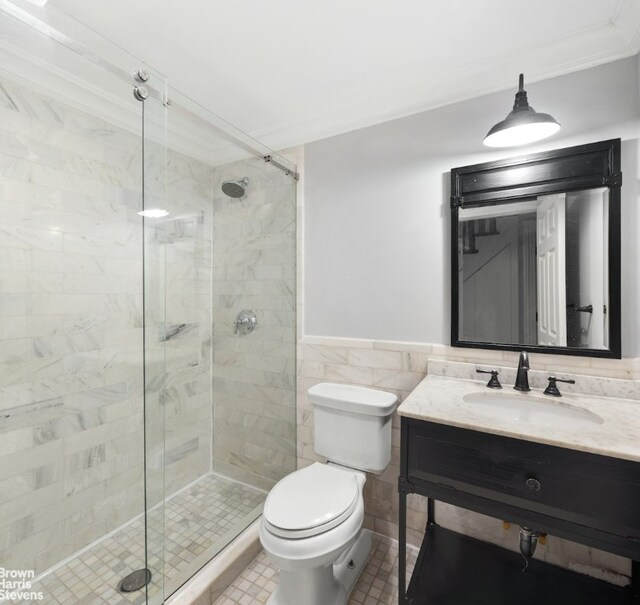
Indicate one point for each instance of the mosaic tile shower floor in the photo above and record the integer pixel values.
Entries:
(377, 585)
(197, 525)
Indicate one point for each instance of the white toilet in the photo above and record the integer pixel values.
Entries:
(311, 528)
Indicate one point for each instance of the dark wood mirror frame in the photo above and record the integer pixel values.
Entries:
(510, 180)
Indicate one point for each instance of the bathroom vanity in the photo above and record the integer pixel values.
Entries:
(565, 466)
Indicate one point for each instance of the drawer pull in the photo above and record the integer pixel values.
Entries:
(533, 484)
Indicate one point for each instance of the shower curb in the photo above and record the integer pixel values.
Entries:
(214, 578)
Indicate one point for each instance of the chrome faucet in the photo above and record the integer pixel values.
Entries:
(522, 377)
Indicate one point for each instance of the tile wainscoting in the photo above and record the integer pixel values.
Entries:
(398, 367)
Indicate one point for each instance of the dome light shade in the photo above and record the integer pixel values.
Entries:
(523, 125)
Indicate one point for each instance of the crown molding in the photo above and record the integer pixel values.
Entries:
(597, 45)
(436, 87)
(627, 20)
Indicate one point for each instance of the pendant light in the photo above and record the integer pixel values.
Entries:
(523, 125)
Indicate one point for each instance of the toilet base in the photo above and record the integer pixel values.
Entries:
(349, 567)
(329, 585)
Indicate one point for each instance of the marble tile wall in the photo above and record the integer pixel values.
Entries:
(254, 253)
(71, 390)
(398, 367)
(186, 249)
(71, 460)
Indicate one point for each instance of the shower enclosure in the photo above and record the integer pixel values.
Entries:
(147, 320)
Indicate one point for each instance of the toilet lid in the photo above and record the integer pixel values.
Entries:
(311, 501)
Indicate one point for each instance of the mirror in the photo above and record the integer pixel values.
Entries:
(537, 272)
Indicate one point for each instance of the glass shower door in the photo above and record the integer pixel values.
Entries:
(78, 391)
(139, 430)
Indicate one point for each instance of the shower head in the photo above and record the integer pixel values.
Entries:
(235, 189)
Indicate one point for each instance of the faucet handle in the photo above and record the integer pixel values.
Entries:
(552, 389)
(493, 383)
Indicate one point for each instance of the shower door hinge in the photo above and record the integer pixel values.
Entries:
(613, 180)
(456, 201)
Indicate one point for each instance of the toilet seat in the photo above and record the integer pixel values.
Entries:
(311, 501)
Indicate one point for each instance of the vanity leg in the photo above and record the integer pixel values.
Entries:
(431, 512)
(402, 550)
(635, 580)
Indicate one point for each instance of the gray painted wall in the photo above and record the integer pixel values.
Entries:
(377, 205)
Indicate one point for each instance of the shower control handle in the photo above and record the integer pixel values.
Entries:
(245, 322)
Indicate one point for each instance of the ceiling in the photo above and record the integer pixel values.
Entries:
(293, 71)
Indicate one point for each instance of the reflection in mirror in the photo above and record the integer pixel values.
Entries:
(534, 271)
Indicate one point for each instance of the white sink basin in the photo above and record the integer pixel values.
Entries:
(531, 409)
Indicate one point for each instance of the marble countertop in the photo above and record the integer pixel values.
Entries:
(439, 399)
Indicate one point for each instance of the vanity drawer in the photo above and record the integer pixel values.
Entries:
(582, 488)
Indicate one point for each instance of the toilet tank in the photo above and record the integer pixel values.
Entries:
(352, 425)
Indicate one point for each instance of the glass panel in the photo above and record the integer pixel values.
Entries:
(72, 463)
(156, 233)
(227, 446)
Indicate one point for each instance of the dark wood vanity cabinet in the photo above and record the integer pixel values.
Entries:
(586, 498)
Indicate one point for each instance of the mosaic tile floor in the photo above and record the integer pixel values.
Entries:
(199, 521)
(377, 585)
